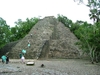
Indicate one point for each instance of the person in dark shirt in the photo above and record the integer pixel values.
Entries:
(20, 55)
(7, 60)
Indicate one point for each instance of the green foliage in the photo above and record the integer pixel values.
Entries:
(93, 33)
(74, 26)
(4, 32)
(88, 34)
(67, 22)
(22, 28)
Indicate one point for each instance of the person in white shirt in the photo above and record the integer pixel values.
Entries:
(23, 59)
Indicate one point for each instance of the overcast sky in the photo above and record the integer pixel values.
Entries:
(12, 10)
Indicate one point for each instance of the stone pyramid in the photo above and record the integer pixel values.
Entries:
(49, 38)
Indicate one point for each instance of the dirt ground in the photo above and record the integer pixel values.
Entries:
(51, 67)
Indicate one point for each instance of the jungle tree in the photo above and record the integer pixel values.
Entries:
(4, 32)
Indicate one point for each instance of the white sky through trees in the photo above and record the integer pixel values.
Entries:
(12, 10)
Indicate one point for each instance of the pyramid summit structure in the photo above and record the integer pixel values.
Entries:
(49, 38)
